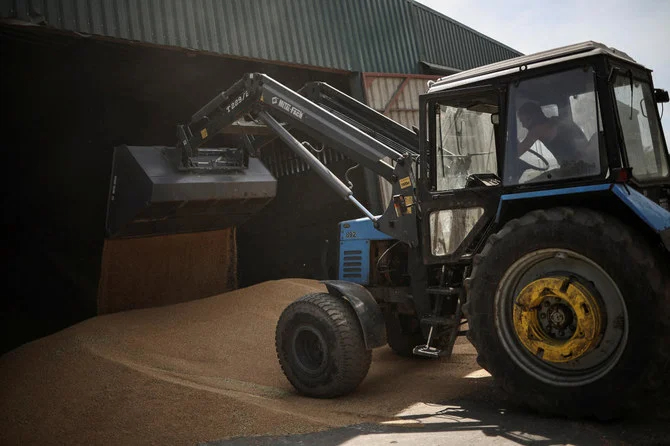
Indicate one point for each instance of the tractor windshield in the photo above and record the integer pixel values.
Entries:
(646, 151)
(466, 142)
(553, 128)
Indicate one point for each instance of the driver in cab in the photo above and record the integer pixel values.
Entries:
(562, 137)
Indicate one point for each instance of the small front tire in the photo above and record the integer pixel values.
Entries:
(320, 346)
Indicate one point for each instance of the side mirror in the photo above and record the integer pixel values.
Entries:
(661, 96)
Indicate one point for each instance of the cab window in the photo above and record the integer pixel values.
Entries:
(645, 148)
(554, 128)
(466, 142)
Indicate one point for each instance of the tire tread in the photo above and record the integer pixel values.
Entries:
(638, 251)
(356, 359)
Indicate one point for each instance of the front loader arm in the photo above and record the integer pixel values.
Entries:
(262, 98)
(365, 118)
(257, 92)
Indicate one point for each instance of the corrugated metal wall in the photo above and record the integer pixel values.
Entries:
(356, 35)
(447, 42)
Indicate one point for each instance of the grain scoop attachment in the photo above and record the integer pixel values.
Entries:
(150, 196)
(190, 187)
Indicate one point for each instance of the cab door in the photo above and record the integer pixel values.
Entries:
(462, 181)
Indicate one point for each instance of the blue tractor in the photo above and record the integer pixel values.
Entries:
(529, 211)
(541, 210)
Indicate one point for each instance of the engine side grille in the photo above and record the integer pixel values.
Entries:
(355, 261)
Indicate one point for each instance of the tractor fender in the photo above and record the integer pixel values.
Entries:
(366, 308)
(653, 215)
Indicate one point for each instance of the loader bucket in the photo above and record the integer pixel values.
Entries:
(149, 195)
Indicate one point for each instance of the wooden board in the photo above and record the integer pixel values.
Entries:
(154, 271)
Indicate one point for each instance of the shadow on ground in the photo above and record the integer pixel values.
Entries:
(486, 418)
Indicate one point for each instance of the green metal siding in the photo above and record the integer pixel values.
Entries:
(356, 35)
(447, 42)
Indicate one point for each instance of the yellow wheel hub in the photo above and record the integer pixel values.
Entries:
(558, 319)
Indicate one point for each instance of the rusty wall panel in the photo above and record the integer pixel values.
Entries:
(396, 96)
(153, 271)
(380, 90)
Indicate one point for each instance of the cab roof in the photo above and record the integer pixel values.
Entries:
(544, 58)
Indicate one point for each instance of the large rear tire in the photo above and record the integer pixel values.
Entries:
(320, 346)
(403, 333)
(568, 310)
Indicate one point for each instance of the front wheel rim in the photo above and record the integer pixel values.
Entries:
(588, 329)
(309, 349)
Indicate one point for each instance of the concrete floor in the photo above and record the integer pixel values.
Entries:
(484, 418)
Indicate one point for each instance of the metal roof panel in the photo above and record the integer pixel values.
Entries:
(355, 35)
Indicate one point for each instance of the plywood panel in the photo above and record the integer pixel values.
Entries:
(155, 271)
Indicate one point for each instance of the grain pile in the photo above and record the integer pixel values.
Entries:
(196, 371)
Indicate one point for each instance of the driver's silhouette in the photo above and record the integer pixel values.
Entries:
(564, 139)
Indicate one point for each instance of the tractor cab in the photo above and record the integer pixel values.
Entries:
(578, 114)
(534, 128)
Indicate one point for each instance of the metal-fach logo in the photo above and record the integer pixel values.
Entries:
(295, 111)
